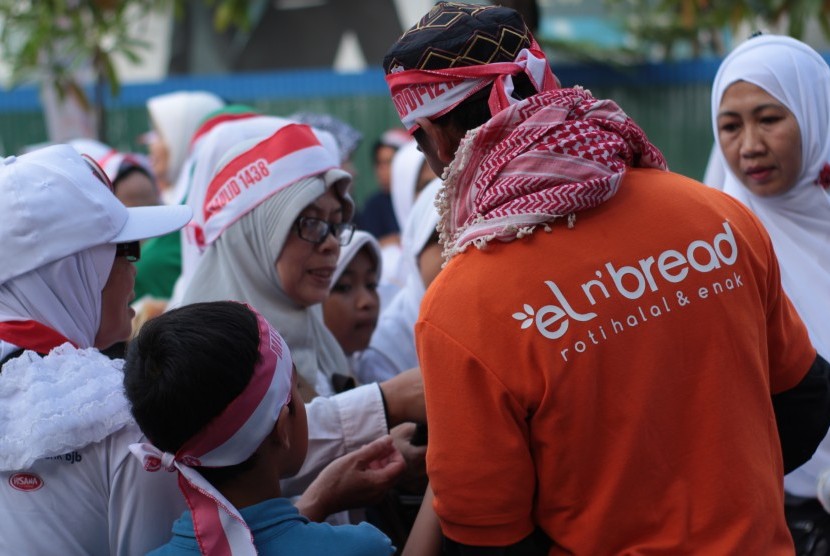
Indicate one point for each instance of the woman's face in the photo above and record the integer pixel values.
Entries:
(116, 313)
(136, 189)
(351, 309)
(760, 139)
(159, 158)
(305, 269)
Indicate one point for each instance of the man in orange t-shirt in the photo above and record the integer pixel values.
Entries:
(610, 364)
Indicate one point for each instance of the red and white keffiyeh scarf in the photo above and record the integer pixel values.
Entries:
(229, 439)
(551, 155)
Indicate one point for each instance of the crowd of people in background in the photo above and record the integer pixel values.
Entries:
(531, 338)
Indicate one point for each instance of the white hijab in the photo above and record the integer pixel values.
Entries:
(348, 252)
(64, 295)
(406, 169)
(239, 266)
(176, 117)
(394, 336)
(206, 157)
(799, 220)
(37, 394)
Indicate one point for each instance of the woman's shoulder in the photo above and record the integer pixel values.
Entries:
(38, 391)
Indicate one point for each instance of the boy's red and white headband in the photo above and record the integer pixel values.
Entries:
(433, 93)
(229, 439)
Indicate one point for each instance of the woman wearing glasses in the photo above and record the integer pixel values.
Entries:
(273, 218)
(68, 482)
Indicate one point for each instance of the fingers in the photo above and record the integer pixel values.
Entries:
(387, 471)
(376, 449)
(354, 480)
(404, 431)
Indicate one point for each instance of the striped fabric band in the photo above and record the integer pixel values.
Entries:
(433, 93)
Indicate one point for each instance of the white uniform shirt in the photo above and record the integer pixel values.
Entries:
(96, 500)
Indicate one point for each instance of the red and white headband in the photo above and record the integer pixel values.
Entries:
(228, 439)
(433, 93)
(292, 153)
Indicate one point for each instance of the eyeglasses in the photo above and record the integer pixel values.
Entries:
(316, 231)
(131, 250)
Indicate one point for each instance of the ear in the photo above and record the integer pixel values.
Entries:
(445, 143)
(280, 434)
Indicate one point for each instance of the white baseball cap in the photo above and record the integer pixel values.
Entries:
(54, 204)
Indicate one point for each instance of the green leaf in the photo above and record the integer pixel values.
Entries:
(111, 76)
(131, 55)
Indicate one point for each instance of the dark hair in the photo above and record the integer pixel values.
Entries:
(127, 167)
(376, 147)
(185, 367)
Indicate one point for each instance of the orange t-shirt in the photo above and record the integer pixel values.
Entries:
(611, 383)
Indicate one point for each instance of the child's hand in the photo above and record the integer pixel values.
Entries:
(385, 453)
(355, 480)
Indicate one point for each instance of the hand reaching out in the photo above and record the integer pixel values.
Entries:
(355, 480)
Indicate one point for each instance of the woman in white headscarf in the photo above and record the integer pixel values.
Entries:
(212, 148)
(410, 174)
(65, 286)
(175, 117)
(392, 348)
(771, 119)
(788, 192)
(274, 217)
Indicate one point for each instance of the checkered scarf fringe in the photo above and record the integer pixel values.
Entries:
(550, 156)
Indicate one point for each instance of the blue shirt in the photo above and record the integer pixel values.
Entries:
(378, 216)
(279, 529)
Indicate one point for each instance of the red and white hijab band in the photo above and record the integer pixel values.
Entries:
(261, 170)
(433, 93)
(229, 439)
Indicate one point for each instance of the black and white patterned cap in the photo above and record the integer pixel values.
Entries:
(455, 34)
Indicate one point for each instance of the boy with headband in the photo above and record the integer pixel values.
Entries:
(608, 350)
(221, 409)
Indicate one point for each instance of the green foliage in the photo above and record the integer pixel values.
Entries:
(231, 13)
(53, 39)
(658, 27)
